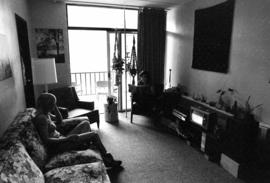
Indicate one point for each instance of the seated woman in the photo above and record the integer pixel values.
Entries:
(144, 78)
(143, 94)
(76, 139)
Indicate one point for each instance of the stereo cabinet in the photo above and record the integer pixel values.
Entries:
(221, 134)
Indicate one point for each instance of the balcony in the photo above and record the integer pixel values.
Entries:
(95, 86)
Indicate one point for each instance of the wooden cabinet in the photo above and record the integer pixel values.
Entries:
(230, 136)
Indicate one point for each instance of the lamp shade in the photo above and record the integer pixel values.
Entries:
(44, 71)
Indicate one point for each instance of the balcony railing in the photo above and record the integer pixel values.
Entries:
(86, 82)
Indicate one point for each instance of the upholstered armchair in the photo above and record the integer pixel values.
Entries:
(145, 100)
(70, 106)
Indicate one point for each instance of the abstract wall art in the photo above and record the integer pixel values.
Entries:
(50, 44)
(5, 66)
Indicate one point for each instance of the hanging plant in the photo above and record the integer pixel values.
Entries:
(118, 65)
(117, 60)
(131, 68)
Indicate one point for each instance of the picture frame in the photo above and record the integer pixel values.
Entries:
(50, 44)
(5, 65)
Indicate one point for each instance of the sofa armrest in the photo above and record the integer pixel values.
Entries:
(86, 105)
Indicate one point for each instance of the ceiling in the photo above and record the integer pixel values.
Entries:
(166, 4)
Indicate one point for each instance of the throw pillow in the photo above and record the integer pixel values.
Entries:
(91, 172)
(73, 158)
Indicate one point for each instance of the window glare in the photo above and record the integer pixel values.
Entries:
(87, 16)
(86, 49)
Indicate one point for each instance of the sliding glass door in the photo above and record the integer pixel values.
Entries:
(89, 64)
(125, 42)
(91, 47)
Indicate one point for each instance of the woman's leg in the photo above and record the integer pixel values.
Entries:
(108, 159)
(83, 141)
(94, 138)
(82, 127)
(69, 124)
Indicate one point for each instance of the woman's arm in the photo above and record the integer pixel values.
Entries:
(57, 117)
(42, 127)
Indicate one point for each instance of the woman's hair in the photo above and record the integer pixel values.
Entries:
(144, 78)
(144, 74)
(46, 101)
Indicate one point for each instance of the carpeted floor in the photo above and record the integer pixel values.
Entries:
(152, 155)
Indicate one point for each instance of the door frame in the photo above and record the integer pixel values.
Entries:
(25, 57)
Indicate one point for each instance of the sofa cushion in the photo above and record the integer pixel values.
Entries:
(17, 166)
(72, 158)
(91, 172)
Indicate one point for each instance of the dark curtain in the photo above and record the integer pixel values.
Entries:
(151, 43)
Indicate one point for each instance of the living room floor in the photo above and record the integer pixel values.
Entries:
(152, 154)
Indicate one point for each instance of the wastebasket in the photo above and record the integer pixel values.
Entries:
(111, 114)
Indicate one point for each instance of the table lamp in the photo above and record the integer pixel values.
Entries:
(44, 71)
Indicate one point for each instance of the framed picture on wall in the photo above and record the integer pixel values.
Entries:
(5, 66)
(212, 37)
(50, 44)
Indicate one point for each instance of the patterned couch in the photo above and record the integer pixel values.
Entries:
(23, 158)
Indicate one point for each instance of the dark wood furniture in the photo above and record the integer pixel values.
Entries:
(233, 137)
(145, 99)
(71, 106)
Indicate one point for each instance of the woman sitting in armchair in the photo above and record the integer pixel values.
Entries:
(145, 97)
(80, 137)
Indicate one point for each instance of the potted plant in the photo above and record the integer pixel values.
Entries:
(118, 62)
(111, 114)
(111, 99)
(220, 103)
(131, 66)
(249, 109)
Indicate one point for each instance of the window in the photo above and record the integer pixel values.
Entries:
(100, 17)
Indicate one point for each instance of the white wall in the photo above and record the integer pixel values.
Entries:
(11, 90)
(249, 58)
(46, 14)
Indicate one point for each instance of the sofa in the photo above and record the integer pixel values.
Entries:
(24, 158)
